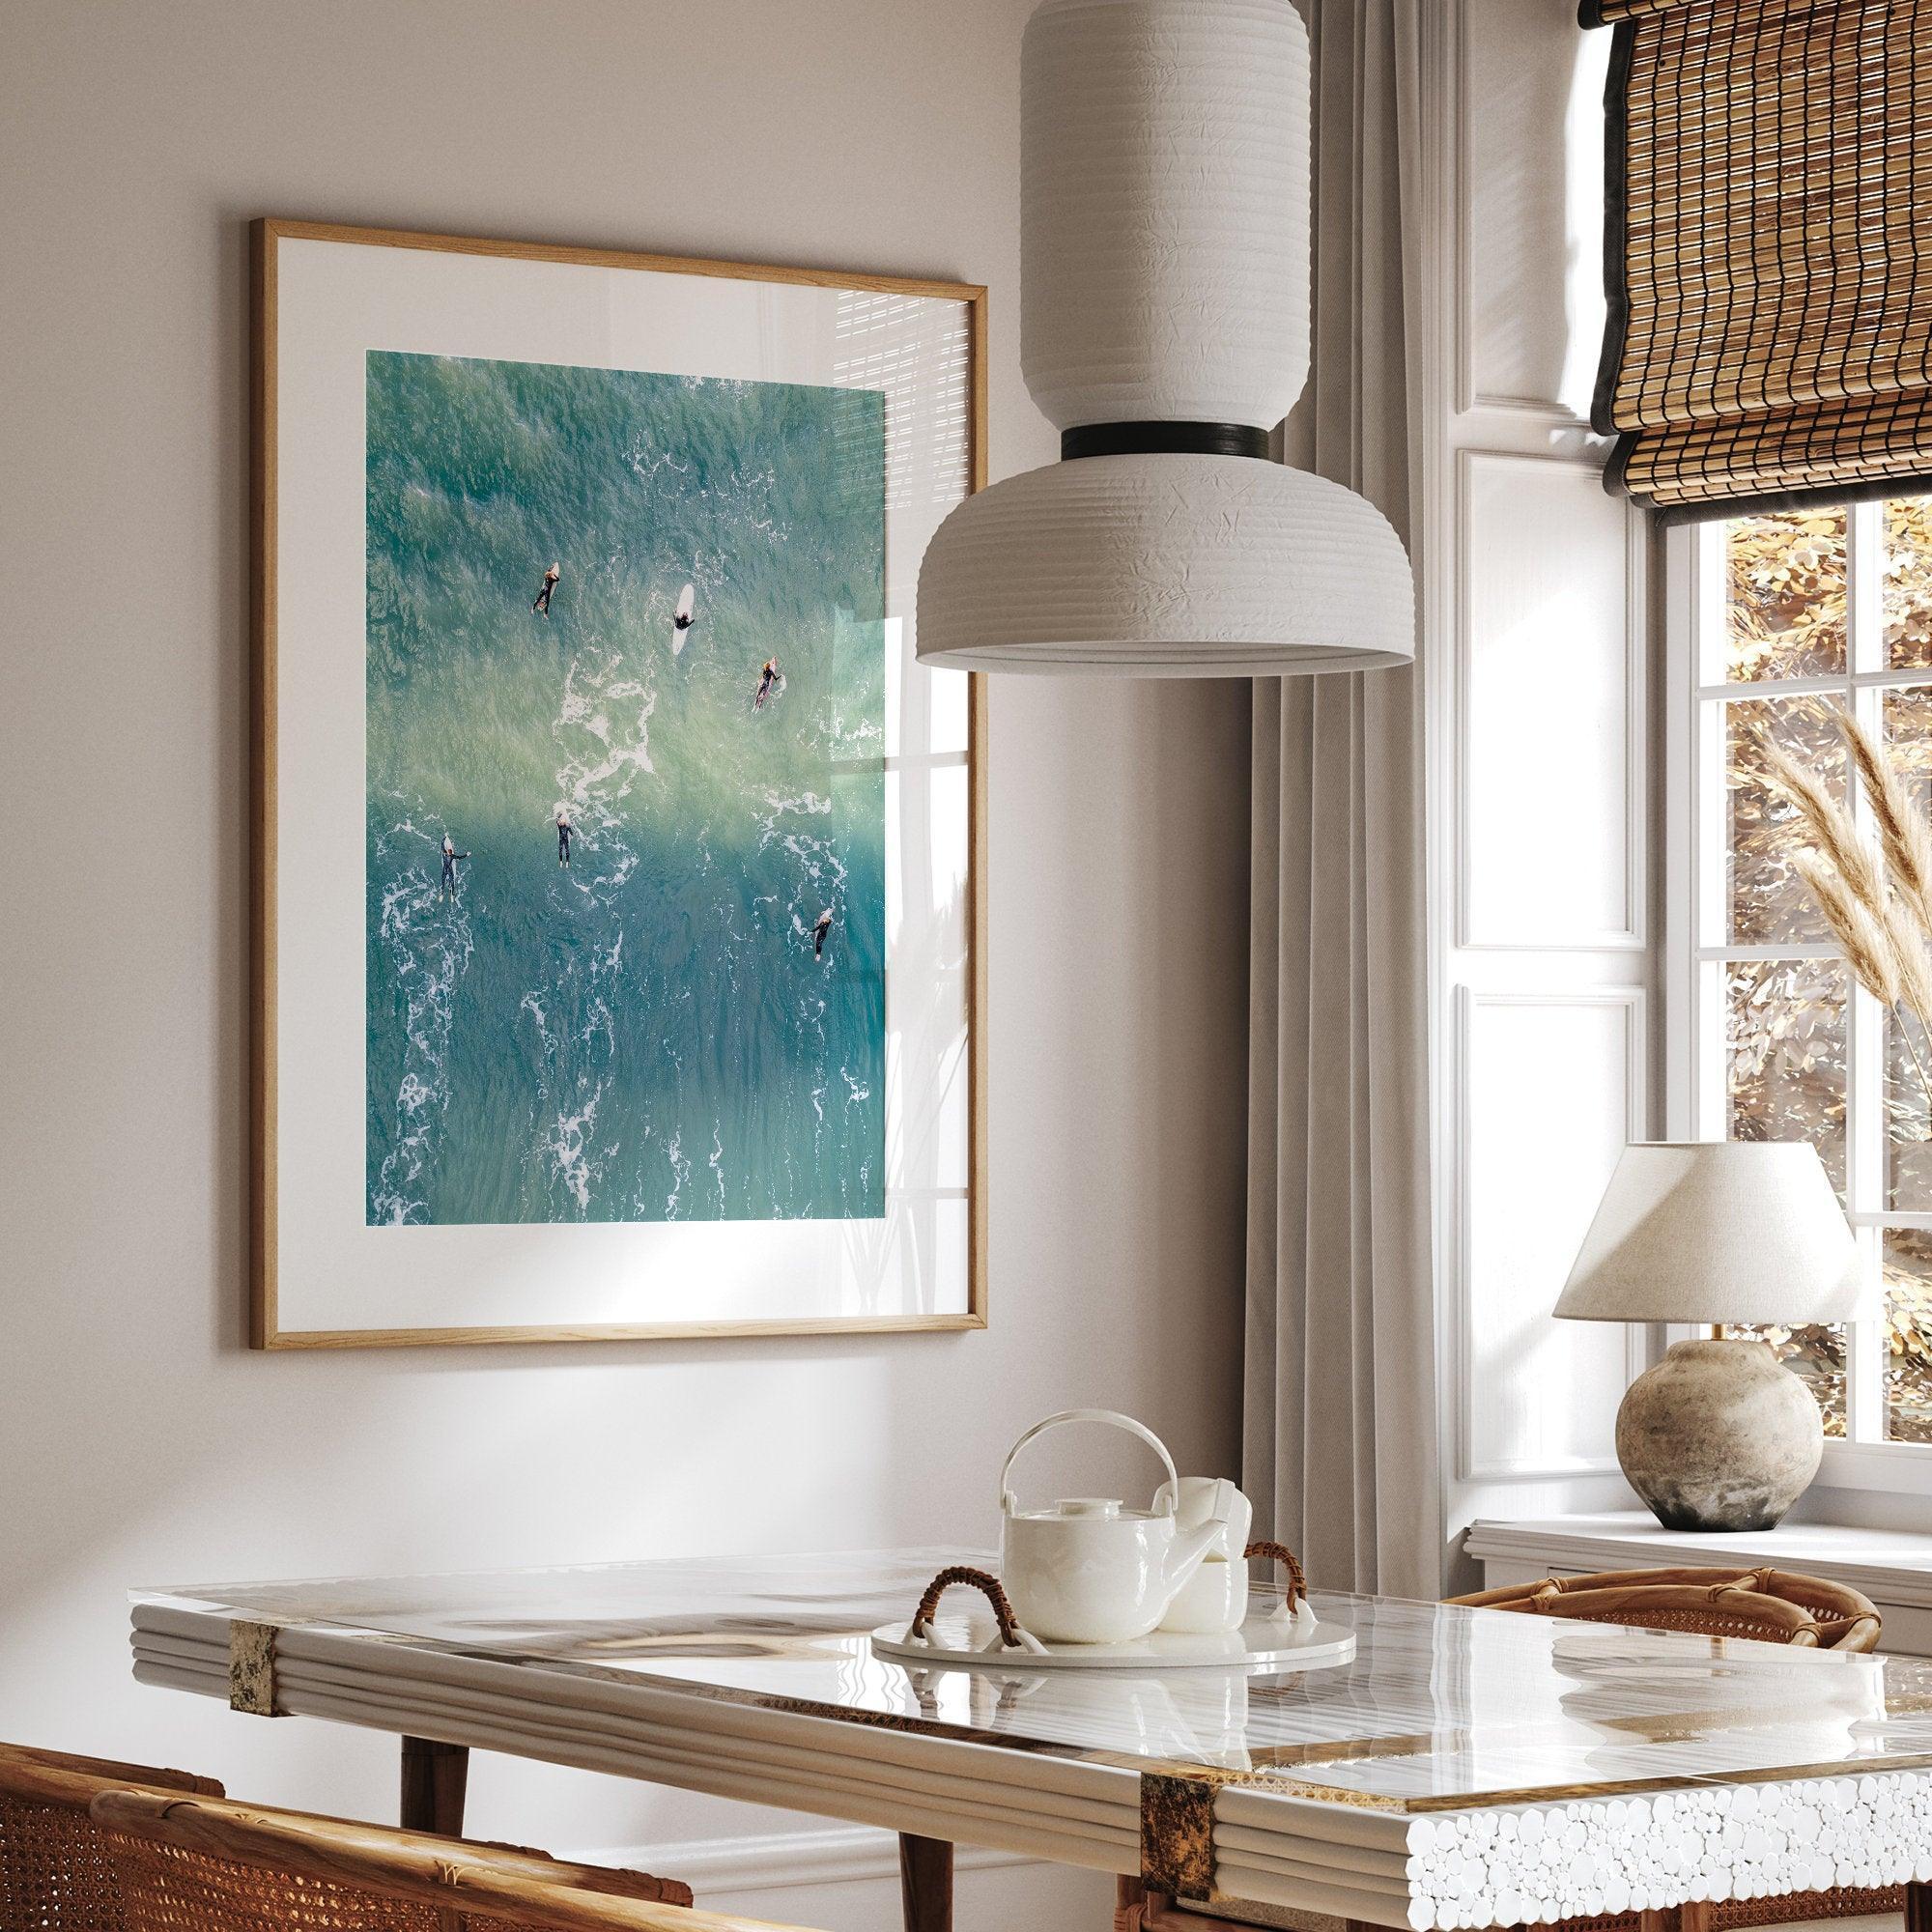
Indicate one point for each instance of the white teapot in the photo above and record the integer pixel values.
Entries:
(1087, 1569)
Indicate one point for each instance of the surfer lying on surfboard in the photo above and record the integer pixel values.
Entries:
(450, 855)
(542, 604)
(770, 675)
(818, 932)
(564, 828)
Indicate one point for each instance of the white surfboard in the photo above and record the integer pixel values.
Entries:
(680, 627)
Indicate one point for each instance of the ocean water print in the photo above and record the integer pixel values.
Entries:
(625, 889)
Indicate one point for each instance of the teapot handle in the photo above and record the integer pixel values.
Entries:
(1109, 1415)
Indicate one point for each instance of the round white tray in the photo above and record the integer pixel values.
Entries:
(965, 1641)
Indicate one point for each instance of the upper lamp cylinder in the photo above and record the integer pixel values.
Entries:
(1164, 210)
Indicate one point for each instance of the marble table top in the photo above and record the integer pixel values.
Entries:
(1454, 1741)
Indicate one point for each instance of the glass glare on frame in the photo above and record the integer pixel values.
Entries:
(1766, 902)
(1784, 1054)
(1784, 596)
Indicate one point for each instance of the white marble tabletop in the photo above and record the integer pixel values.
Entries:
(1465, 1768)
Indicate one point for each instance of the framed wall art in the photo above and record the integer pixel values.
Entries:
(618, 920)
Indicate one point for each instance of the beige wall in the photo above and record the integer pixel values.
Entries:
(140, 1441)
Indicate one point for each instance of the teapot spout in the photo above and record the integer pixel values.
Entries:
(1189, 1549)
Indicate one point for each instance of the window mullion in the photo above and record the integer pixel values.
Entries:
(1864, 1356)
(1864, 556)
(1868, 1167)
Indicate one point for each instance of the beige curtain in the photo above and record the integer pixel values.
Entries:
(1339, 1437)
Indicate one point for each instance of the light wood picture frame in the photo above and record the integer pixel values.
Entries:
(425, 406)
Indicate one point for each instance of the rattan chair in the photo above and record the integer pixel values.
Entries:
(191, 1865)
(55, 1873)
(1766, 1606)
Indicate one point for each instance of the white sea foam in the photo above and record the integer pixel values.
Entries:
(429, 943)
(569, 1146)
(680, 1172)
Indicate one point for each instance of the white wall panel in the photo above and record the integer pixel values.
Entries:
(1532, 583)
(1528, 103)
(1552, 1088)
(1550, 695)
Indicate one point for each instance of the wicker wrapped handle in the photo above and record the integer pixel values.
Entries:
(987, 1584)
(1295, 1590)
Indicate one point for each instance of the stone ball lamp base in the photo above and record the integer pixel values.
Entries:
(1719, 1435)
(1717, 1235)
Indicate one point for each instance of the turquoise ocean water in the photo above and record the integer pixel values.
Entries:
(645, 1035)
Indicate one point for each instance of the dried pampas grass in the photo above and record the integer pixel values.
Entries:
(1868, 942)
(1903, 835)
(1878, 906)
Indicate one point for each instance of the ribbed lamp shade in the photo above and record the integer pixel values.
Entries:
(1716, 1231)
(1164, 210)
(1164, 327)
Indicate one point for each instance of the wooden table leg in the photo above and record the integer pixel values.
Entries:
(926, 1884)
(1919, 1908)
(435, 1777)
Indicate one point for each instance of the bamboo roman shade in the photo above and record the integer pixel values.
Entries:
(1769, 254)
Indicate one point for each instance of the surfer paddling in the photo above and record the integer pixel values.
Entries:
(768, 677)
(542, 606)
(682, 618)
(450, 855)
(818, 933)
(564, 828)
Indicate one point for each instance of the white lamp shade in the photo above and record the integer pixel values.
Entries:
(1164, 210)
(1178, 566)
(1717, 1232)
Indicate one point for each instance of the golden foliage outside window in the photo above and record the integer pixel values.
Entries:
(1785, 584)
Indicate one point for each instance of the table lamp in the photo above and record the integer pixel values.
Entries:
(1718, 1434)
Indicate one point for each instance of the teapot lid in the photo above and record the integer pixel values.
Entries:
(1100, 1506)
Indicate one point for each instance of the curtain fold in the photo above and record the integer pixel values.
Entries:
(1339, 1449)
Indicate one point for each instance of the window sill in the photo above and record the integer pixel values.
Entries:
(1892, 1567)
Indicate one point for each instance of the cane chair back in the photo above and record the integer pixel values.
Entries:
(55, 1872)
(1767, 1605)
(201, 1865)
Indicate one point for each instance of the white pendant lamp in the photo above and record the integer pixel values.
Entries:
(1163, 328)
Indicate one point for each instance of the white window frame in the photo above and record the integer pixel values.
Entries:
(1696, 1094)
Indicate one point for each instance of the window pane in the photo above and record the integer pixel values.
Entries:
(1816, 1357)
(1784, 595)
(1784, 1036)
(1908, 582)
(1908, 1335)
(1769, 903)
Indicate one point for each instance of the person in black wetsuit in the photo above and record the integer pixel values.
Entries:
(450, 855)
(542, 604)
(818, 933)
(564, 828)
(766, 679)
